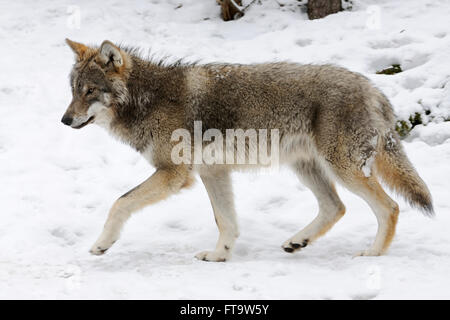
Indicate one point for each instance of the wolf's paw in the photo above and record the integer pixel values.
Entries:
(215, 256)
(100, 247)
(98, 251)
(292, 245)
(367, 253)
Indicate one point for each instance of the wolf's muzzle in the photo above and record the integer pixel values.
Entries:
(67, 120)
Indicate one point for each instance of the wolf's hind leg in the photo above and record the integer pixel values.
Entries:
(331, 208)
(218, 186)
(386, 211)
(159, 186)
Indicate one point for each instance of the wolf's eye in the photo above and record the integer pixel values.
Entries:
(89, 91)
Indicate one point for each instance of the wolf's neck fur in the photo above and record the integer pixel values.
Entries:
(151, 87)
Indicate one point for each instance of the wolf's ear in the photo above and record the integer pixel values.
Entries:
(110, 53)
(78, 48)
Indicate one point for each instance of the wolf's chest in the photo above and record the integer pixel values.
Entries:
(148, 153)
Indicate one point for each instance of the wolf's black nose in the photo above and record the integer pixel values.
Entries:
(67, 120)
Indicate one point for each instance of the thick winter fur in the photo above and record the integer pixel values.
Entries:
(333, 124)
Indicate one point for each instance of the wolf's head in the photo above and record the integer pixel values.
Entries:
(98, 82)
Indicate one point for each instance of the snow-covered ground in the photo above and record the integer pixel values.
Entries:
(57, 184)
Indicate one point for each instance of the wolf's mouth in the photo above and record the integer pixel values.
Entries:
(85, 123)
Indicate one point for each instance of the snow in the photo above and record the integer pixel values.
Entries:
(58, 184)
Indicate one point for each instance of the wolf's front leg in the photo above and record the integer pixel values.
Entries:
(159, 186)
(218, 186)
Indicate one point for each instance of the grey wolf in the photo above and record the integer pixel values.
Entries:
(334, 126)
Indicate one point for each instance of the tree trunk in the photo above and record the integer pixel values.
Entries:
(321, 8)
(229, 10)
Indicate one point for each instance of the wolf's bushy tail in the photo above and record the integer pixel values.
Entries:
(394, 167)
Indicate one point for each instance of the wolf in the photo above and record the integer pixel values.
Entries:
(334, 126)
